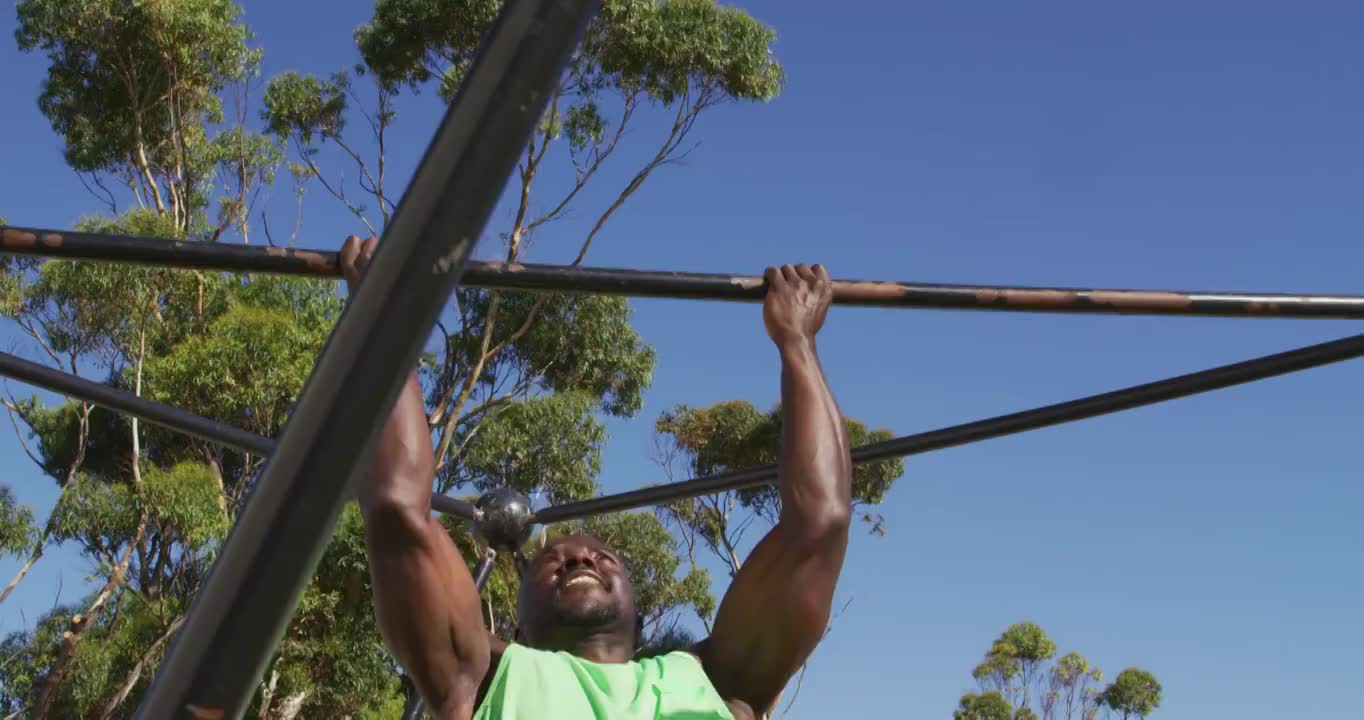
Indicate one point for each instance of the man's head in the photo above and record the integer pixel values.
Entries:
(574, 589)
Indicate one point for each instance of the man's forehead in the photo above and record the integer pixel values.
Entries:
(579, 540)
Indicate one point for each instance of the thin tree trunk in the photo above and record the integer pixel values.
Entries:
(267, 693)
(136, 673)
(32, 559)
(80, 624)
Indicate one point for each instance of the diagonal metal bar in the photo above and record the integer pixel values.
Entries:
(131, 404)
(172, 418)
(237, 618)
(1046, 416)
(690, 286)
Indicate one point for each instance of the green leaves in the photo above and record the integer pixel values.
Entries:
(1026, 641)
(131, 86)
(1015, 673)
(302, 106)
(550, 444)
(408, 42)
(983, 706)
(95, 513)
(1133, 692)
(574, 343)
(662, 48)
(734, 434)
(17, 531)
(659, 48)
(185, 499)
(584, 126)
(246, 370)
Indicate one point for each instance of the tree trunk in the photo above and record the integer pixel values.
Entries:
(80, 623)
(136, 673)
(32, 559)
(292, 706)
(267, 694)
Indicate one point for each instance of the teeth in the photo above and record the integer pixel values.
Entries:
(580, 580)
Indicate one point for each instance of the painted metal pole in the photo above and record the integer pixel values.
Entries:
(236, 621)
(1000, 426)
(173, 418)
(691, 286)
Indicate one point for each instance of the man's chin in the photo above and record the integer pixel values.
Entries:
(582, 611)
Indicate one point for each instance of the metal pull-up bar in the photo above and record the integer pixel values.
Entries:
(691, 286)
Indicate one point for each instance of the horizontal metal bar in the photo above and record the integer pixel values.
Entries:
(172, 418)
(1000, 426)
(691, 286)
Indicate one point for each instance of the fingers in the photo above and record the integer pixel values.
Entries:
(355, 256)
(350, 252)
(785, 274)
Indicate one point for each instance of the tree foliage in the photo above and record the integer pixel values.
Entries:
(17, 531)
(133, 88)
(1021, 678)
(731, 435)
(1133, 693)
(983, 706)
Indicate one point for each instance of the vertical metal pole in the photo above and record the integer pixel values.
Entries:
(484, 569)
(244, 605)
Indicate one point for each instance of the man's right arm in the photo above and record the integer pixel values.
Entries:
(425, 599)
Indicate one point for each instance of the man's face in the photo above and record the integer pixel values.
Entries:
(573, 587)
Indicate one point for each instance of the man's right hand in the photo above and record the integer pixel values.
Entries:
(355, 257)
(797, 300)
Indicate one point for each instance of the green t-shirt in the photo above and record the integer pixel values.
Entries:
(538, 685)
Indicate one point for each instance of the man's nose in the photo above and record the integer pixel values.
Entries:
(579, 559)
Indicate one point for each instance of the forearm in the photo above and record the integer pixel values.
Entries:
(402, 474)
(428, 611)
(815, 467)
(424, 596)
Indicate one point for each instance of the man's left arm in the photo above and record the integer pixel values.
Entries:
(777, 607)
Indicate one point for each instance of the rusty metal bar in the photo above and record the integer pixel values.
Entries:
(691, 286)
(239, 615)
(1000, 426)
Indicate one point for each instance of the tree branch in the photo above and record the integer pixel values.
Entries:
(312, 166)
(682, 124)
(13, 409)
(135, 674)
(599, 157)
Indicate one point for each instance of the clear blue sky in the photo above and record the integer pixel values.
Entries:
(1212, 145)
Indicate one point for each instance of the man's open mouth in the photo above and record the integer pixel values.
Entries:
(579, 578)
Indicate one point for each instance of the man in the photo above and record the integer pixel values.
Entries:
(577, 630)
